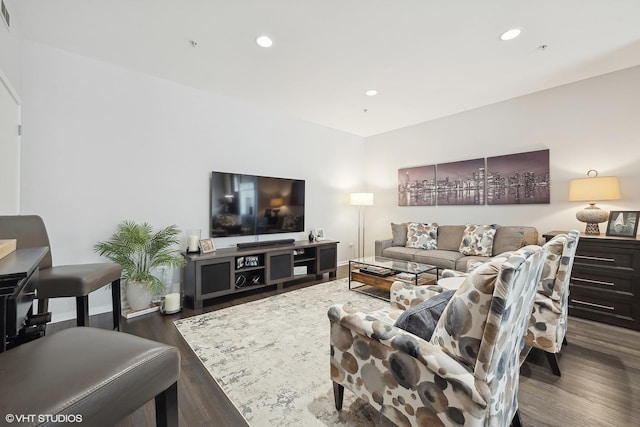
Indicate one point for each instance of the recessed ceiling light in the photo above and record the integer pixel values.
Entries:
(510, 34)
(264, 41)
(371, 92)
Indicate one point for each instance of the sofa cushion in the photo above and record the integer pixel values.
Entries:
(422, 319)
(422, 236)
(438, 257)
(399, 234)
(478, 239)
(511, 238)
(449, 237)
(405, 254)
(461, 326)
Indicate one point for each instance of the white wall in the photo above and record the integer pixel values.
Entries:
(10, 45)
(591, 124)
(102, 144)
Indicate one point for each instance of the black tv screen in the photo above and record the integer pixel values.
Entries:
(243, 205)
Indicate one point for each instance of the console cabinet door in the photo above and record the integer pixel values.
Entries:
(279, 266)
(327, 259)
(214, 277)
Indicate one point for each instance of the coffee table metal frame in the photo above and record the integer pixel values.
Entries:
(399, 266)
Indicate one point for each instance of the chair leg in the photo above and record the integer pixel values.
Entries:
(564, 341)
(338, 395)
(82, 310)
(115, 303)
(43, 305)
(553, 362)
(516, 420)
(167, 407)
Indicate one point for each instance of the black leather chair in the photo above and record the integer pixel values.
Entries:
(65, 280)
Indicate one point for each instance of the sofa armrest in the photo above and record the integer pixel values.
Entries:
(382, 245)
(435, 364)
(403, 295)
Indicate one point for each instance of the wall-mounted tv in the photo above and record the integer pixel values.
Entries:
(244, 205)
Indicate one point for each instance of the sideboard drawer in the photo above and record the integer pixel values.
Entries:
(619, 312)
(600, 279)
(608, 257)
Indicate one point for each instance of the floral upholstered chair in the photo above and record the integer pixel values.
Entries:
(548, 323)
(466, 374)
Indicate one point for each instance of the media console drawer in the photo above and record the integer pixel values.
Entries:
(605, 280)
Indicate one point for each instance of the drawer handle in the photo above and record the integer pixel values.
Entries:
(596, 282)
(606, 307)
(595, 258)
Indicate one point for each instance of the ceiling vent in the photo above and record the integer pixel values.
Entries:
(5, 15)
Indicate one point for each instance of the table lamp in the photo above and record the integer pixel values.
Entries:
(592, 189)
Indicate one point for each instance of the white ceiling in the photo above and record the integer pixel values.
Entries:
(426, 58)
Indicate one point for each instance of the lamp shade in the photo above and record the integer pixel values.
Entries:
(362, 199)
(594, 189)
(276, 202)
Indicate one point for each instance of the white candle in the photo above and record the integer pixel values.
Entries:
(193, 243)
(172, 302)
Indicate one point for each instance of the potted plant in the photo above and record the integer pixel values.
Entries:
(139, 250)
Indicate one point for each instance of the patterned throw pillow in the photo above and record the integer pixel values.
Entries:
(478, 239)
(422, 236)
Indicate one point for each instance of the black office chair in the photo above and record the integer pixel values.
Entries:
(65, 280)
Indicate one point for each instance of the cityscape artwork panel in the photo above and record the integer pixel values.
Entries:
(521, 178)
(461, 183)
(417, 186)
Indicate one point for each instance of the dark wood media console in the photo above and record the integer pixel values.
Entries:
(231, 270)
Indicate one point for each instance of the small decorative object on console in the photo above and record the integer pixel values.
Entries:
(207, 246)
(320, 234)
(251, 261)
(623, 223)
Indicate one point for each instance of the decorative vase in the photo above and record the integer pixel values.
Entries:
(138, 295)
(311, 236)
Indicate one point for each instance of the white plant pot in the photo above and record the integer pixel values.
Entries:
(138, 295)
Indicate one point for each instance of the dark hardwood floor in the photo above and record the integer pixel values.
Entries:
(599, 386)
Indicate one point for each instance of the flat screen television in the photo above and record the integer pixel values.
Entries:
(244, 205)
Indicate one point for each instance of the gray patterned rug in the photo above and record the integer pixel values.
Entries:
(271, 357)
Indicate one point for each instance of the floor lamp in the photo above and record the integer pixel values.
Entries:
(361, 200)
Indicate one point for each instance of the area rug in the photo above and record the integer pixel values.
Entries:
(271, 357)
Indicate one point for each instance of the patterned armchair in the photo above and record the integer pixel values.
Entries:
(548, 323)
(467, 374)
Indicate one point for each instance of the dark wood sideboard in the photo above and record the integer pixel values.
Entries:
(605, 280)
(232, 270)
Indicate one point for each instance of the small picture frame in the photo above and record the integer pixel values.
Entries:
(319, 233)
(623, 223)
(207, 246)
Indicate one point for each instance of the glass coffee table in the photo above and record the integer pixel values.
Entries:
(380, 273)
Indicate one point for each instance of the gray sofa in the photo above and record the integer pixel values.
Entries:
(447, 255)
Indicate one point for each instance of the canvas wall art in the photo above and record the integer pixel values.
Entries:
(460, 183)
(521, 178)
(417, 186)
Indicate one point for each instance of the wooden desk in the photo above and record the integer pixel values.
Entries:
(18, 280)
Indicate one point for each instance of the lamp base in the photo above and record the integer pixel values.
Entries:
(592, 215)
(592, 228)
